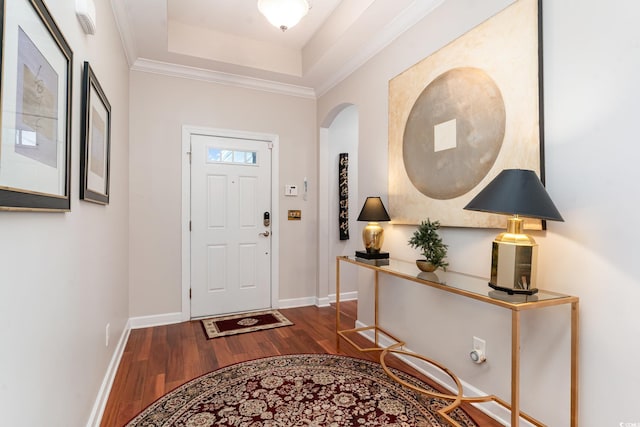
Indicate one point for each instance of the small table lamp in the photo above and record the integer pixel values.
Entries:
(373, 211)
(513, 258)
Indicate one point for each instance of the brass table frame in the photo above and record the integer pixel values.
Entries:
(458, 398)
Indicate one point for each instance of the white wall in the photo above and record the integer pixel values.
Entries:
(343, 138)
(592, 109)
(53, 312)
(160, 106)
(63, 276)
(592, 103)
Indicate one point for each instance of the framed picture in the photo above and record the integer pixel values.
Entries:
(95, 141)
(462, 115)
(36, 76)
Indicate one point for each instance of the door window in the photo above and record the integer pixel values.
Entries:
(236, 157)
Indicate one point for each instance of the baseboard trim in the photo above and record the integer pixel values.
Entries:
(319, 302)
(297, 302)
(323, 302)
(105, 388)
(492, 409)
(171, 318)
(155, 320)
(344, 296)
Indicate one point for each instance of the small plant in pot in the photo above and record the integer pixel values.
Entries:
(429, 242)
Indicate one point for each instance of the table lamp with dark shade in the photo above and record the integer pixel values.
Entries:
(374, 212)
(515, 192)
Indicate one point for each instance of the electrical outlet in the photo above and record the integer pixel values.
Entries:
(478, 355)
(106, 336)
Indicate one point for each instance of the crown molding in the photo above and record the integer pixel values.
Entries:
(126, 34)
(416, 11)
(400, 24)
(181, 71)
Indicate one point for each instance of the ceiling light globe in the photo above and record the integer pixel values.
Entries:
(283, 14)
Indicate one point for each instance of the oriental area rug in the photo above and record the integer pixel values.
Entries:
(298, 390)
(223, 326)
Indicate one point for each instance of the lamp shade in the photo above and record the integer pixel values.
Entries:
(373, 211)
(283, 14)
(516, 192)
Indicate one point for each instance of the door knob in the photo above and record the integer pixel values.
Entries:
(265, 234)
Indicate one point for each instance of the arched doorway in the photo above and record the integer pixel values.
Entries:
(338, 134)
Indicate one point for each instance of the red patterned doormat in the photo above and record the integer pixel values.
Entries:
(233, 324)
(299, 390)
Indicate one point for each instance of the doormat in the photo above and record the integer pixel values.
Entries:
(233, 324)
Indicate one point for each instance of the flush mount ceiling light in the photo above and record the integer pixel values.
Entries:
(283, 14)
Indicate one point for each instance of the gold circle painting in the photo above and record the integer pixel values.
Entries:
(454, 133)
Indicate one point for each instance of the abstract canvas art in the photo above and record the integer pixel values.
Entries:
(462, 115)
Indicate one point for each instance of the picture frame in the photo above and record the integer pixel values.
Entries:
(463, 114)
(95, 141)
(35, 109)
(343, 196)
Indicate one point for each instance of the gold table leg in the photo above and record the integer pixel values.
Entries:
(375, 314)
(337, 304)
(574, 363)
(515, 368)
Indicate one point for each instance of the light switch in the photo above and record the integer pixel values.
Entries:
(290, 190)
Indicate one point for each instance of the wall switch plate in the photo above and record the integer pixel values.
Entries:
(290, 190)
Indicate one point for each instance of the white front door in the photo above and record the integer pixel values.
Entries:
(230, 243)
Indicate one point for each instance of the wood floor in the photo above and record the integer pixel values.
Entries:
(157, 360)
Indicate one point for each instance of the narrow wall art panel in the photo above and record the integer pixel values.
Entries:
(95, 143)
(343, 196)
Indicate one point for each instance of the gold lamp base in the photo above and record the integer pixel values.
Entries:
(513, 260)
(372, 237)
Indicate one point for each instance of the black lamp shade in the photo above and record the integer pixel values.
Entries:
(373, 211)
(516, 192)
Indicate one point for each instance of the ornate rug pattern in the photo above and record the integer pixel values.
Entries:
(233, 324)
(310, 390)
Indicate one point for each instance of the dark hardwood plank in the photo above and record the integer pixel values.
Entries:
(157, 360)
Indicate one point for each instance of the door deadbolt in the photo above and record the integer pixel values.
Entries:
(266, 219)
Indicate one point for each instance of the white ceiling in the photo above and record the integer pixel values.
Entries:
(229, 41)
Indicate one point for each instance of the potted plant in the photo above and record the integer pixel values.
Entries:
(429, 242)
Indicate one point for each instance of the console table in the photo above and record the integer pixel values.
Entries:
(469, 287)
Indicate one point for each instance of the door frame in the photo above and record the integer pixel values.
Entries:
(272, 139)
(326, 258)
